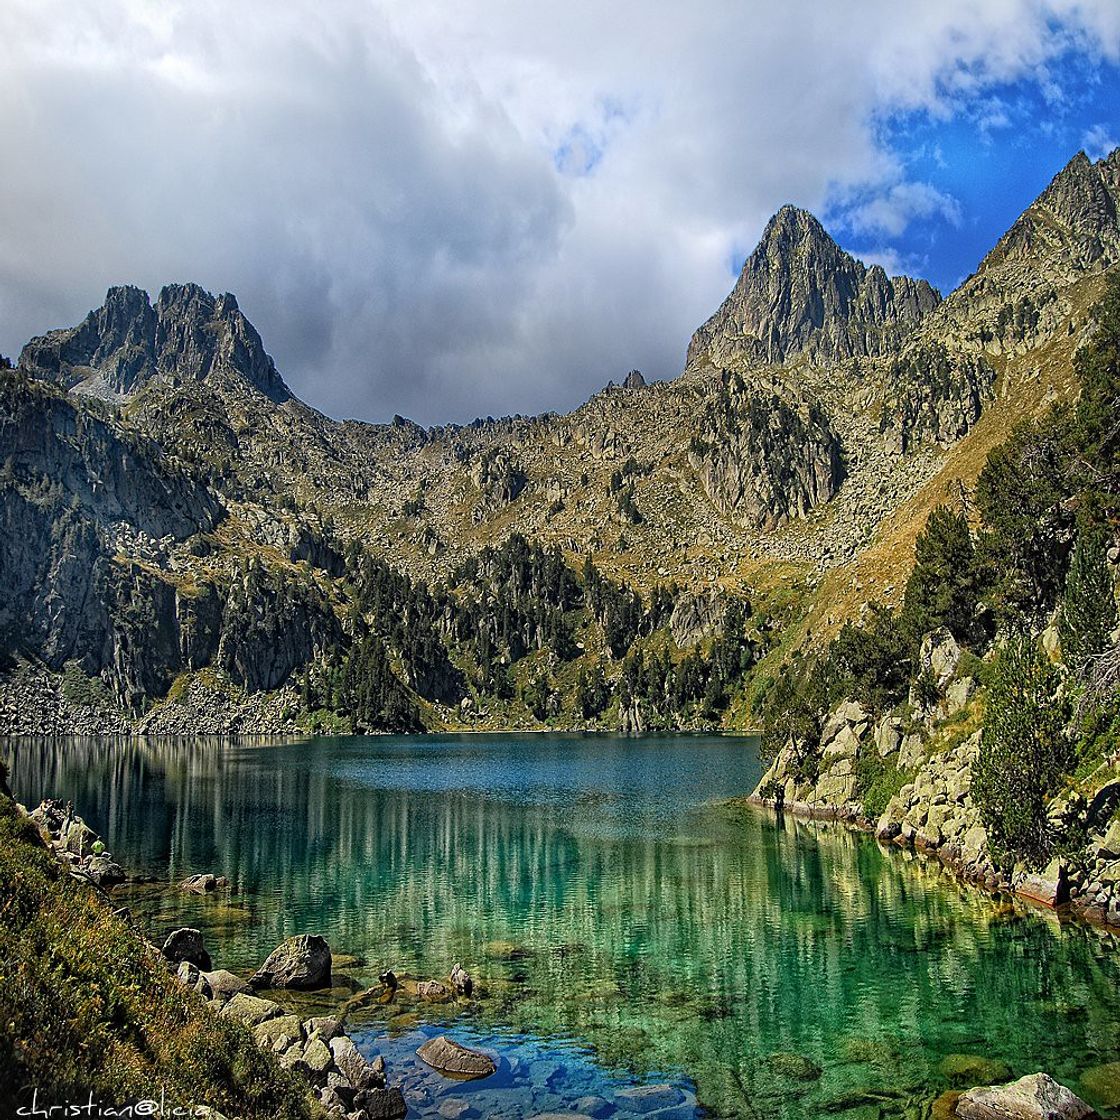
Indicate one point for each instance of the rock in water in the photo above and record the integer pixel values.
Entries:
(461, 980)
(203, 884)
(432, 990)
(186, 945)
(381, 1104)
(456, 1061)
(300, 962)
(965, 1070)
(1035, 1097)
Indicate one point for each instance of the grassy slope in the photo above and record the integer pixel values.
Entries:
(87, 1006)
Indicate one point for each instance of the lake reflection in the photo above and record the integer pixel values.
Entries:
(604, 896)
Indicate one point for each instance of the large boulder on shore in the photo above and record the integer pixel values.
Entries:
(456, 1061)
(186, 945)
(300, 962)
(1035, 1097)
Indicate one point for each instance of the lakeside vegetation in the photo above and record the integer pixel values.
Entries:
(1027, 560)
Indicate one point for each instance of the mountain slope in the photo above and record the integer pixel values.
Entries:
(823, 409)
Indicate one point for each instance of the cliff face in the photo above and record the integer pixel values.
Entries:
(765, 458)
(800, 293)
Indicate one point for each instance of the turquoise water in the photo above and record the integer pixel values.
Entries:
(625, 925)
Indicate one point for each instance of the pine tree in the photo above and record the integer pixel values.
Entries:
(1088, 614)
(942, 588)
(1024, 753)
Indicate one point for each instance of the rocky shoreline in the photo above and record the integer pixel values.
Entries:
(317, 1049)
(930, 759)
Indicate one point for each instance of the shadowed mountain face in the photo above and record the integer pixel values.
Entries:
(199, 517)
(799, 292)
(189, 335)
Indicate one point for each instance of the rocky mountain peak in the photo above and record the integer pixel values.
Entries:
(799, 292)
(1073, 225)
(188, 335)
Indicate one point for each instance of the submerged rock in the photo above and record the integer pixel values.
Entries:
(300, 962)
(203, 884)
(1035, 1097)
(649, 1098)
(795, 1067)
(454, 1060)
(381, 1104)
(1102, 1085)
(962, 1071)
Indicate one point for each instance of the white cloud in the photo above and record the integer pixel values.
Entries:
(448, 209)
(1099, 141)
(891, 210)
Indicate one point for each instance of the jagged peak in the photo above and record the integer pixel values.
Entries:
(188, 334)
(800, 292)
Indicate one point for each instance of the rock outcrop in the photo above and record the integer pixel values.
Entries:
(189, 335)
(763, 455)
(800, 293)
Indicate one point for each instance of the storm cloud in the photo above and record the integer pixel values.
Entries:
(487, 207)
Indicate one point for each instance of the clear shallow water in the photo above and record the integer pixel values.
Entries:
(625, 925)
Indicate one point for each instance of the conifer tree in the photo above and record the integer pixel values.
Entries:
(1088, 614)
(1024, 753)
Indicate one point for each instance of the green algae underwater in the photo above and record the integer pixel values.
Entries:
(610, 903)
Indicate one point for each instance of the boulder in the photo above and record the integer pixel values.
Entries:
(1050, 887)
(381, 1104)
(889, 825)
(352, 1065)
(250, 1010)
(453, 1060)
(102, 870)
(461, 980)
(1109, 847)
(186, 945)
(939, 655)
(194, 979)
(888, 736)
(958, 694)
(433, 990)
(300, 962)
(318, 1059)
(203, 884)
(224, 985)
(325, 1027)
(76, 836)
(279, 1033)
(1035, 1097)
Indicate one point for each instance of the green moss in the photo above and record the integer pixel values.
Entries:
(87, 1006)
